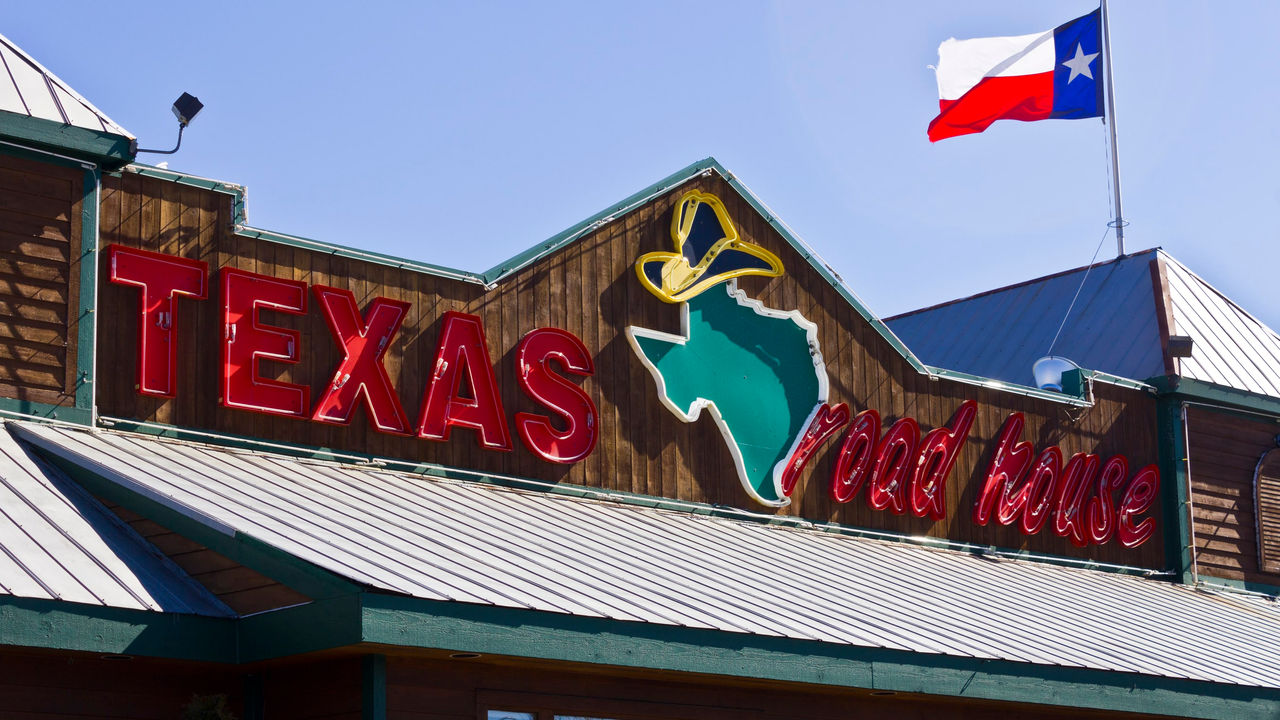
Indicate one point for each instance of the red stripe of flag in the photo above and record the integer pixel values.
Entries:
(1014, 97)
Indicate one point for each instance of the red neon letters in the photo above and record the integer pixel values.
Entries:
(578, 413)
(1078, 498)
(161, 280)
(361, 372)
(461, 391)
(246, 340)
(895, 473)
(827, 421)
(938, 452)
(463, 355)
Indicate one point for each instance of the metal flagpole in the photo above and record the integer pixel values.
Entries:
(1110, 119)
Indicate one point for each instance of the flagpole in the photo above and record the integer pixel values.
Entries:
(1110, 119)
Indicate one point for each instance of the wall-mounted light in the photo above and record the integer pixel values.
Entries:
(1048, 371)
(185, 108)
(1180, 346)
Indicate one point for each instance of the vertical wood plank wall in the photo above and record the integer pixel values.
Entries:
(39, 279)
(1224, 451)
(589, 288)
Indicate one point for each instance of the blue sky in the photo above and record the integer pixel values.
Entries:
(462, 133)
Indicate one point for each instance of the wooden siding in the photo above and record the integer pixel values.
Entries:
(244, 590)
(39, 279)
(1224, 450)
(325, 688)
(44, 685)
(419, 689)
(589, 288)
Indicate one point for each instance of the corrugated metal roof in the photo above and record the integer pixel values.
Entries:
(999, 334)
(58, 543)
(27, 88)
(1232, 347)
(1114, 327)
(475, 543)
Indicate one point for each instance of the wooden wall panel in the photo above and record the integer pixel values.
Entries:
(590, 288)
(420, 689)
(39, 279)
(328, 689)
(1224, 451)
(39, 685)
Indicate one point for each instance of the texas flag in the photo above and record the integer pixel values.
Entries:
(1054, 74)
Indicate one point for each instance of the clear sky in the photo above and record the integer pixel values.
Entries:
(461, 133)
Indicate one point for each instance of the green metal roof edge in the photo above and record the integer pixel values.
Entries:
(1212, 393)
(622, 497)
(514, 264)
(106, 149)
(243, 229)
(821, 267)
(63, 625)
(459, 627)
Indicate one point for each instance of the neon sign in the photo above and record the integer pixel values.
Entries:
(461, 391)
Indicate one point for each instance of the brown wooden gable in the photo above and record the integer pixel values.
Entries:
(588, 287)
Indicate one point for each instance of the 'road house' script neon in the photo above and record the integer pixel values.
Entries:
(462, 355)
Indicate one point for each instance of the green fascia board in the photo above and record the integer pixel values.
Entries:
(29, 410)
(1239, 586)
(306, 578)
(1175, 491)
(106, 149)
(459, 627)
(62, 625)
(86, 324)
(310, 627)
(1214, 394)
(496, 274)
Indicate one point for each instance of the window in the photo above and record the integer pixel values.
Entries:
(1266, 494)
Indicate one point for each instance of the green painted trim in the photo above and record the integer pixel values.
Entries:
(410, 622)
(246, 550)
(101, 148)
(1227, 585)
(356, 254)
(44, 411)
(1216, 394)
(519, 261)
(237, 192)
(310, 627)
(1108, 378)
(1172, 453)
(64, 625)
(1002, 386)
(86, 323)
(373, 687)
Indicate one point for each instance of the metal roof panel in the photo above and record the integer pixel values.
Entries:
(554, 553)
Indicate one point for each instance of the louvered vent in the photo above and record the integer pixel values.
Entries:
(1267, 496)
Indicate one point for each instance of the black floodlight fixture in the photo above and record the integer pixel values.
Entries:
(1180, 346)
(185, 108)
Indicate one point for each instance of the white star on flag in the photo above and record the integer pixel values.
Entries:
(1080, 64)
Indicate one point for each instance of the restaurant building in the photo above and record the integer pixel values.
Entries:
(663, 464)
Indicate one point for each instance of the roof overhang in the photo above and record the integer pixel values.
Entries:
(96, 147)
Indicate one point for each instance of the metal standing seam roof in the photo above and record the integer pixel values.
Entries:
(477, 543)
(58, 543)
(1232, 347)
(1113, 326)
(27, 88)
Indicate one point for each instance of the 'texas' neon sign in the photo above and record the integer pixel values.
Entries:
(462, 358)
